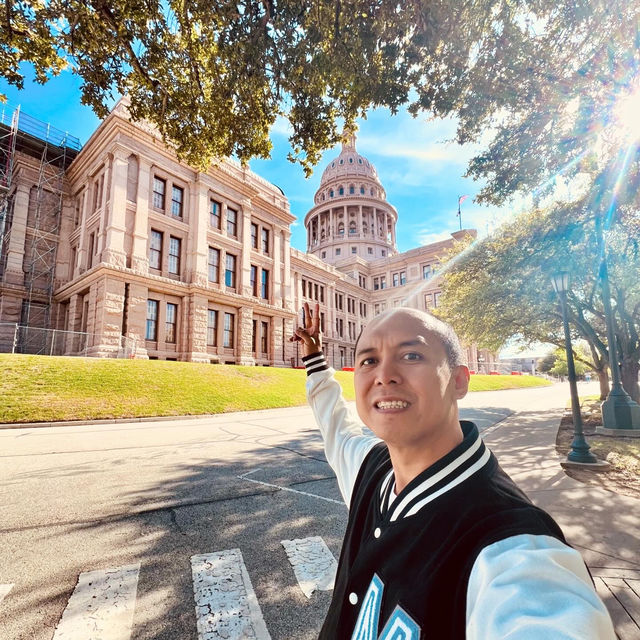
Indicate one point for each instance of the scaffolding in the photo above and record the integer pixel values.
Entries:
(54, 150)
(8, 130)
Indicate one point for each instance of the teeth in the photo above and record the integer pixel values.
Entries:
(392, 404)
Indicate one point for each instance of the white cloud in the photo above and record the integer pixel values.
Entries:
(428, 237)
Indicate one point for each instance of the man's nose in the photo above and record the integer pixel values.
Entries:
(387, 373)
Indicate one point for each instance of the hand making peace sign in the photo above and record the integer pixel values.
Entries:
(309, 334)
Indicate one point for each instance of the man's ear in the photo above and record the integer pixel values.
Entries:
(460, 377)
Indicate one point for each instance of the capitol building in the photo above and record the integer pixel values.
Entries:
(119, 248)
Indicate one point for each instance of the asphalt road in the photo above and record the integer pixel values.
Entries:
(152, 495)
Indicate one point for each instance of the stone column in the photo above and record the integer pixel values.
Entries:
(244, 349)
(197, 245)
(82, 260)
(332, 229)
(139, 254)
(197, 322)
(275, 290)
(277, 339)
(287, 292)
(360, 222)
(107, 298)
(243, 285)
(137, 318)
(14, 272)
(73, 324)
(114, 253)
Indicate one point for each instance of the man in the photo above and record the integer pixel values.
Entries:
(440, 542)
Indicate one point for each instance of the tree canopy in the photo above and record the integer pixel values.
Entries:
(213, 76)
(500, 287)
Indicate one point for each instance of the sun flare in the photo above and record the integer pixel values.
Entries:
(627, 113)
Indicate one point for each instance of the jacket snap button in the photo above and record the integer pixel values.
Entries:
(353, 598)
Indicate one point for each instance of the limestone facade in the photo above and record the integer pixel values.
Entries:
(197, 265)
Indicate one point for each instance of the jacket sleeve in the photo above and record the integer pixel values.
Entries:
(534, 587)
(345, 444)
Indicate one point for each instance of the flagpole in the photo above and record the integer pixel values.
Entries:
(459, 213)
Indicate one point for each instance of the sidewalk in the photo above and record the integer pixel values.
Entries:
(603, 526)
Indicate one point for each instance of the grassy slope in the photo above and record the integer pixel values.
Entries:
(41, 388)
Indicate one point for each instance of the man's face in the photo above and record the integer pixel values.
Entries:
(406, 392)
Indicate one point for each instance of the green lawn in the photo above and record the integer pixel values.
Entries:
(42, 388)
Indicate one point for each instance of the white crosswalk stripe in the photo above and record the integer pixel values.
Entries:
(313, 564)
(226, 604)
(4, 590)
(101, 606)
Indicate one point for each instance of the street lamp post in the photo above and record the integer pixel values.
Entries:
(619, 411)
(579, 447)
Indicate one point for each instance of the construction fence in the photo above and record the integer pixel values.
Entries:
(17, 338)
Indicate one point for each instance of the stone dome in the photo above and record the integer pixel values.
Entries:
(349, 164)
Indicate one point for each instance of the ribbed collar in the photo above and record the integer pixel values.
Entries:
(458, 465)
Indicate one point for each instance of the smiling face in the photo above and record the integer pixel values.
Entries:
(406, 391)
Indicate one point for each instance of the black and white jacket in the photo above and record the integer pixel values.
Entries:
(460, 552)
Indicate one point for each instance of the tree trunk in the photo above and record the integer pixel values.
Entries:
(629, 374)
(603, 379)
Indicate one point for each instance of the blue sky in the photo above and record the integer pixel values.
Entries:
(421, 172)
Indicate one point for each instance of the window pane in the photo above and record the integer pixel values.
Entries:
(214, 262)
(177, 196)
(230, 271)
(159, 186)
(212, 327)
(264, 292)
(254, 235)
(171, 321)
(214, 214)
(174, 255)
(228, 330)
(232, 222)
(265, 241)
(152, 317)
(155, 250)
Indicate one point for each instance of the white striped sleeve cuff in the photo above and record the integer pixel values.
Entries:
(315, 362)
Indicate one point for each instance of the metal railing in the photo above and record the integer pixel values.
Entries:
(18, 338)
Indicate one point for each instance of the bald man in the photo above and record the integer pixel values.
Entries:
(440, 542)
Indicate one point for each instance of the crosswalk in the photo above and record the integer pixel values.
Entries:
(102, 605)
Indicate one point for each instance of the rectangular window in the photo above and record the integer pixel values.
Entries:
(264, 338)
(232, 222)
(265, 241)
(436, 299)
(337, 252)
(403, 277)
(321, 294)
(92, 242)
(214, 264)
(315, 291)
(174, 255)
(253, 279)
(159, 189)
(230, 271)
(264, 285)
(322, 322)
(395, 279)
(428, 300)
(354, 249)
(383, 282)
(152, 320)
(171, 322)
(214, 214)
(212, 327)
(304, 287)
(426, 271)
(228, 336)
(177, 199)
(376, 284)
(254, 336)
(254, 235)
(155, 250)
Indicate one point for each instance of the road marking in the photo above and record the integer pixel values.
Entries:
(276, 486)
(313, 564)
(226, 604)
(101, 606)
(4, 590)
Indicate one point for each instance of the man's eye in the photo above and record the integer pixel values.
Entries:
(367, 361)
(412, 356)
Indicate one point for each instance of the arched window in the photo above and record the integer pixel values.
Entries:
(352, 228)
(362, 189)
(352, 189)
(341, 229)
(359, 160)
(331, 193)
(341, 160)
(371, 191)
(341, 190)
(350, 160)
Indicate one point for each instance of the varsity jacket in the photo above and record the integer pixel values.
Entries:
(460, 552)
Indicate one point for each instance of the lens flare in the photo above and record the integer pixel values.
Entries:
(627, 114)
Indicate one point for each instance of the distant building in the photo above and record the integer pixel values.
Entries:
(122, 248)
